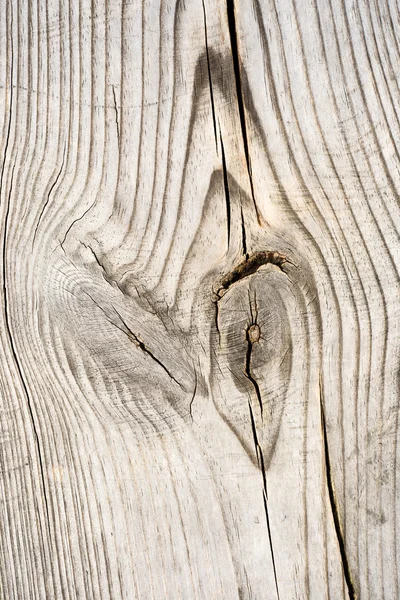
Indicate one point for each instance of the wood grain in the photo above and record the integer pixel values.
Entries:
(200, 333)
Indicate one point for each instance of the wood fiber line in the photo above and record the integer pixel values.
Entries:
(199, 233)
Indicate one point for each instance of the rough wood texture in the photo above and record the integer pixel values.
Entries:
(200, 327)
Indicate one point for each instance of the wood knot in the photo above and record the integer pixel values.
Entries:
(253, 334)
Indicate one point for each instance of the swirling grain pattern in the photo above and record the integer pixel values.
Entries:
(199, 325)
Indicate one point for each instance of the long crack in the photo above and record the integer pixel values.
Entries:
(250, 341)
(335, 509)
(261, 464)
(252, 337)
(230, 8)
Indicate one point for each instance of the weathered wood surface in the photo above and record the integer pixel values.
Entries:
(200, 299)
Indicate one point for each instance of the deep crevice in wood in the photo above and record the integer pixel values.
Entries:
(244, 240)
(335, 509)
(226, 189)
(230, 7)
(13, 348)
(261, 464)
(270, 541)
(116, 113)
(249, 266)
(209, 77)
(248, 372)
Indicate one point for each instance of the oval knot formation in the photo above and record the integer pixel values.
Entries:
(253, 334)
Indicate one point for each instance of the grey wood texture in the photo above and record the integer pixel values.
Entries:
(200, 322)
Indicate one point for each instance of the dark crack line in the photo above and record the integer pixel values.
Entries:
(9, 125)
(116, 112)
(244, 241)
(209, 77)
(53, 185)
(226, 189)
(104, 272)
(259, 454)
(249, 374)
(270, 541)
(230, 7)
(335, 508)
(5, 292)
(73, 223)
(138, 342)
(193, 396)
(144, 349)
(217, 321)
(261, 464)
(254, 315)
(15, 355)
(94, 256)
(133, 337)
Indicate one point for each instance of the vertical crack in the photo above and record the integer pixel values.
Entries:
(270, 540)
(226, 188)
(244, 241)
(4, 283)
(116, 112)
(230, 7)
(53, 185)
(193, 395)
(209, 76)
(335, 508)
(216, 302)
(252, 336)
(260, 461)
(14, 351)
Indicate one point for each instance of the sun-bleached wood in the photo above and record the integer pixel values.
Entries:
(200, 332)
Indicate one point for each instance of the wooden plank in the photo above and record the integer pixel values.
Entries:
(199, 324)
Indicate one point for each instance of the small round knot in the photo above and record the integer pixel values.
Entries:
(253, 334)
